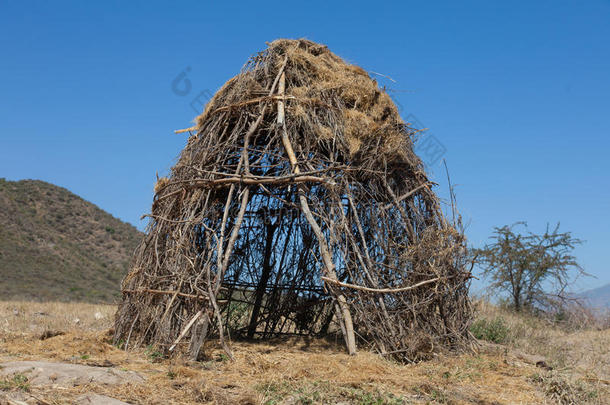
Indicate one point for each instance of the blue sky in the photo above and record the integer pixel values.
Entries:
(517, 93)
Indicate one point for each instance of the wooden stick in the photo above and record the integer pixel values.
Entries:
(221, 336)
(180, 131)
(257, 181)
(131, 330)
(372, 278)
(198, 337)
(350, 338)
(251, 101)
(222, 264)
(246, 179)
(171, 302)
(200, 297)
(186, 329)
(223, 259)
(280, 104)
(380, 290)
(406, 195)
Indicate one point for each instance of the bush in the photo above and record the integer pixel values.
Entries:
(494, 330)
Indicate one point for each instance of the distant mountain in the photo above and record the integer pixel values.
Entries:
(597, 297)
(56, 246)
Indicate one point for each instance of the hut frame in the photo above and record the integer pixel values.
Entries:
(298, 206)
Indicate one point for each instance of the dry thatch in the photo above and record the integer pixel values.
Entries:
(298, 206)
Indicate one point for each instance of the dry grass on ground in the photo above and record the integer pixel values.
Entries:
(295, 371)
(580, 351)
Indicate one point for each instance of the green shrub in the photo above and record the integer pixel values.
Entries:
(18, 381)
(494, 330)
(153, 354)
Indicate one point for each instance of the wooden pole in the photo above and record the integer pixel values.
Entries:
(347, 324)
(262, 284)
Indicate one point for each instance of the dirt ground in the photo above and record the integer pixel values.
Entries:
(287, 371)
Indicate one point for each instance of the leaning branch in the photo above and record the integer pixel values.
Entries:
(186, 329)
(151, 291)
(407, 195)
(381, 290)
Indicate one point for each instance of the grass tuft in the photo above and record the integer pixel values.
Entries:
(494, 330)
(16, 381)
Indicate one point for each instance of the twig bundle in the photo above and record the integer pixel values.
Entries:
(298, 204)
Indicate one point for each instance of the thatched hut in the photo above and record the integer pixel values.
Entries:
(298, 207)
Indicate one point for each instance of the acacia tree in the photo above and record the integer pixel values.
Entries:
(534, 270)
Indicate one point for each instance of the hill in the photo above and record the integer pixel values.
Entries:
(598, 297)
(56, 246)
